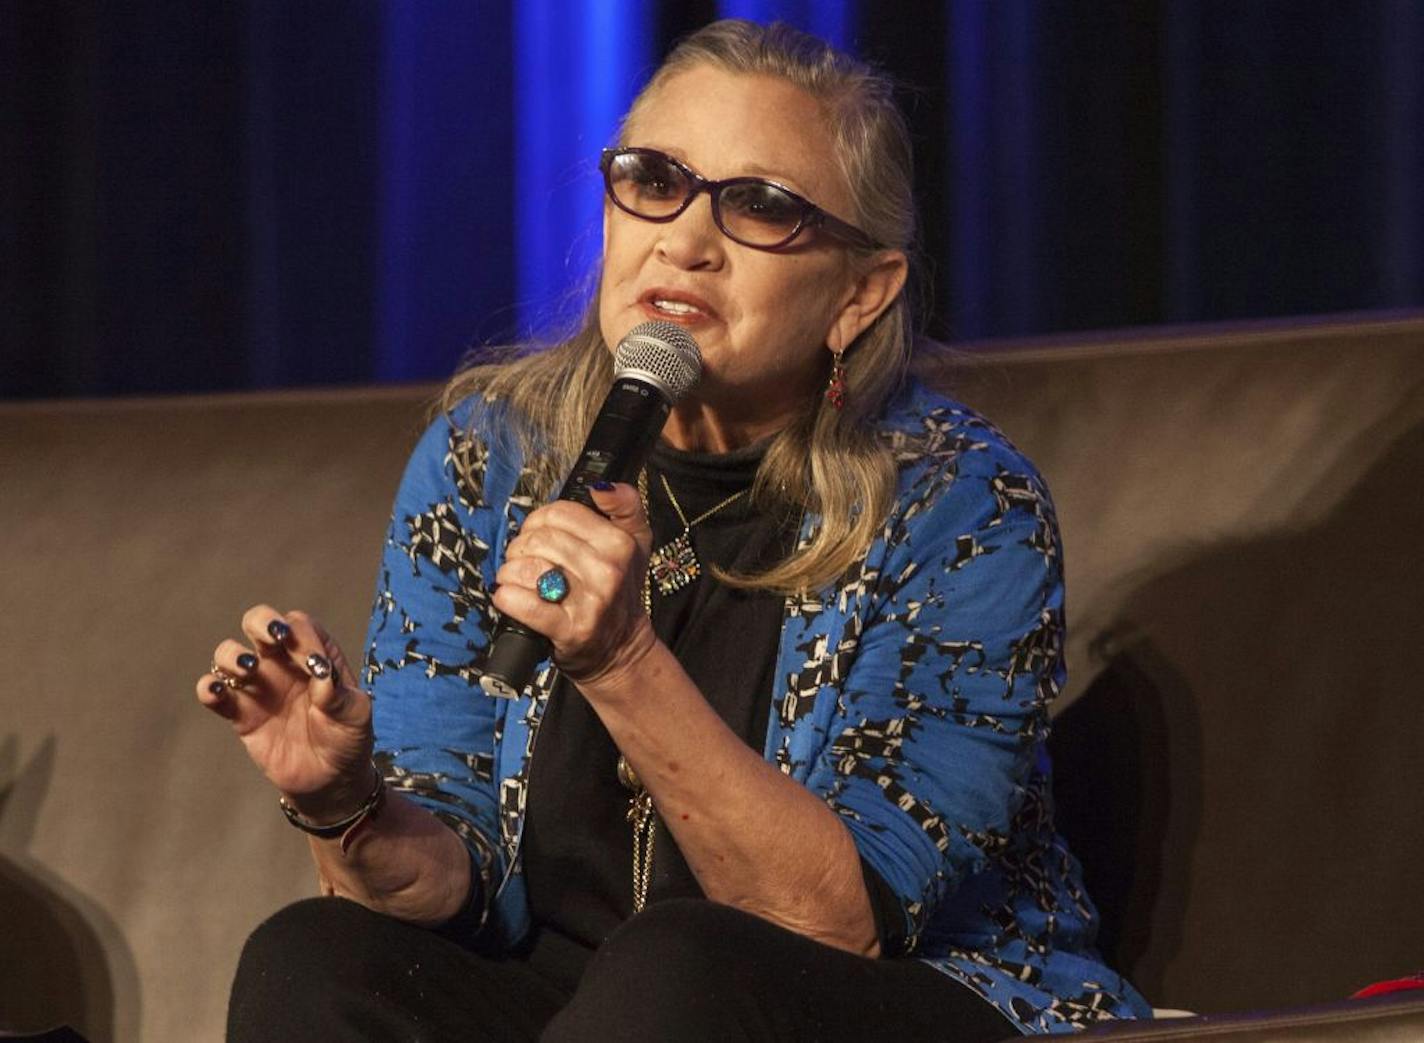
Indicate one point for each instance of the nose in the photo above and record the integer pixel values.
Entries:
(692, 241)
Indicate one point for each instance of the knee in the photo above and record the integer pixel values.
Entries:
(300, 951)
(683, 947)
(680, 965)
(297, 966)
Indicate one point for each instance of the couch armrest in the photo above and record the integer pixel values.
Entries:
(1394, 1018)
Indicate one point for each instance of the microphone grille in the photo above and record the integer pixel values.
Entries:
(664, 353)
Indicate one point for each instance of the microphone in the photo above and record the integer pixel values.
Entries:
(653, 367)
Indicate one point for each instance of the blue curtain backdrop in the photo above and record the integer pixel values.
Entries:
(263, 194)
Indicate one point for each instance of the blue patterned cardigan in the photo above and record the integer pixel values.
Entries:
(912, 695)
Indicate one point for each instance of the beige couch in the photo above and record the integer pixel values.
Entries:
(1241, 752)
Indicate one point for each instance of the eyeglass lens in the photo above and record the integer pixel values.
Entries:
(750, 210)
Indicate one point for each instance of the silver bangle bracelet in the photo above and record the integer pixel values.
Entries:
(368, 808)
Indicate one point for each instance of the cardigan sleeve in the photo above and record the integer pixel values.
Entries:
(940, 715)
(435, 728)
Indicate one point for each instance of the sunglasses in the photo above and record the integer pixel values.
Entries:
(753, 211)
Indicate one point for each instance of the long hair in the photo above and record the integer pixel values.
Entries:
(827, 461)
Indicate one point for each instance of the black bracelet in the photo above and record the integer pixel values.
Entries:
(368, 809)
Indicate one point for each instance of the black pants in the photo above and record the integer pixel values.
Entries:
(683, 970)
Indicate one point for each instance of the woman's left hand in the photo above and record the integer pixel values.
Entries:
(599, 627)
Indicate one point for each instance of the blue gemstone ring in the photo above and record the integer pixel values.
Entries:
(553, 585)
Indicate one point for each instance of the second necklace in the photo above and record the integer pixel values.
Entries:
(674, 565)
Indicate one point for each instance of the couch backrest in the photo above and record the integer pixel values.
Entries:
(1240, 751)
(138, 846)
(1241, 754)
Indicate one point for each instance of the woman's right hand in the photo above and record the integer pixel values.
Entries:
(295, 703)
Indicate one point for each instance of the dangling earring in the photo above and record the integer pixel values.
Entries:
(836, 387)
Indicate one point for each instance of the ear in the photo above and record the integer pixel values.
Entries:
(873, 290)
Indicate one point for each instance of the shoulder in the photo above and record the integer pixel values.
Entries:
(468, 453)
(953, 462)
(473, 422)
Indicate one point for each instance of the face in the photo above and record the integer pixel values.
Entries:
(762, 319)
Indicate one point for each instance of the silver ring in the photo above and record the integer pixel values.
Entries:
(552, 585)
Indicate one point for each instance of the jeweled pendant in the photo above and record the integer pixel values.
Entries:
(674, 565)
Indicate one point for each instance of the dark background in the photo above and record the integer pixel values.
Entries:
(200, 196)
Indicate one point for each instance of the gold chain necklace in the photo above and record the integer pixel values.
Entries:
(640, 805)
(644, 821)
(673, 566)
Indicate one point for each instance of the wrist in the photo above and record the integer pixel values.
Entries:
(334, 802)
(627, 671)
(345, 829)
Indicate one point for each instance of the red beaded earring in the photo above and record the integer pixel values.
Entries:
(836, 387)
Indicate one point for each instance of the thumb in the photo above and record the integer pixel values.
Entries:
(621, 505)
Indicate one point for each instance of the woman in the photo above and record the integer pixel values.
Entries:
(825, 712)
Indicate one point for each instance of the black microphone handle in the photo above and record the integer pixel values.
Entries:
(623, 434)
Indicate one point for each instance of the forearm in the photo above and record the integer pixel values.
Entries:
(404, 863)
(754, 838)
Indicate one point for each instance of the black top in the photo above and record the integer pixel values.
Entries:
(577, 843)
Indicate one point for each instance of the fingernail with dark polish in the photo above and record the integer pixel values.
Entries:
(319, 666)
(247, 661)
(602, 486)
(279, 630)
(217, 688)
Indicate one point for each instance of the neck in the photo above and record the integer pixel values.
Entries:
(694, 426)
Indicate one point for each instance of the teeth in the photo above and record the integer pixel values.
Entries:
(674, 307)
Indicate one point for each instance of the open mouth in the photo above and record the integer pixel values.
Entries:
(662, 304)
(675, 305)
